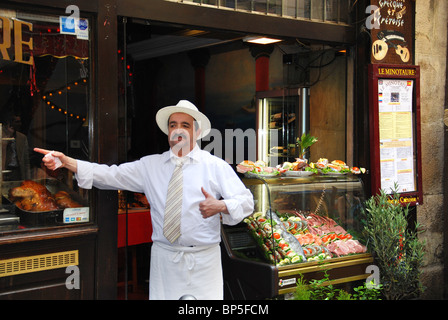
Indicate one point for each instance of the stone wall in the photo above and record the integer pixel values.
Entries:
(431, 55)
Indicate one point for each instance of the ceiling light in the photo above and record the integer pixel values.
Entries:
(260, 40)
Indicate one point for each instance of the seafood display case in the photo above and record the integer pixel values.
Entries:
(301, 227)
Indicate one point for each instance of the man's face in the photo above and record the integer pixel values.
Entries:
(182, 133)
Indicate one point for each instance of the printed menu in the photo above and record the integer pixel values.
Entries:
(396, 135)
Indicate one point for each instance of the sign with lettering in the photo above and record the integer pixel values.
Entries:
(392, 31)
(22, 41)
(17, 44)
(394, 71)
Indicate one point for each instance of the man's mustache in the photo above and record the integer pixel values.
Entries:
(175, 136)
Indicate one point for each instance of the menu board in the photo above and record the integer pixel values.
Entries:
(396, 135)
(395, 132)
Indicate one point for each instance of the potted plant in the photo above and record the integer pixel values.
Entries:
(395, 245)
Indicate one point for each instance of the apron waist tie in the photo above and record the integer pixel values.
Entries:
(188, 257)
(186, 254)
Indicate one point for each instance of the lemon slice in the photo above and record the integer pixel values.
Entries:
(287, 165)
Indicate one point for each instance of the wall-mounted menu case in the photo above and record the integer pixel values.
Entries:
(298, 225)
(395, 133)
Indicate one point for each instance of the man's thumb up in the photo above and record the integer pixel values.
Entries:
(205, 193)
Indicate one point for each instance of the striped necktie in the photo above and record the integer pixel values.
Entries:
(173, 206)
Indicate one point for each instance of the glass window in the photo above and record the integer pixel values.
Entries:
(320, 10)
(283, 117)
(227, 3)
(317, 10)
(331, 10)
(44, 102)
(249, 5)
(304, 9)
(290, 8)
(275, 7)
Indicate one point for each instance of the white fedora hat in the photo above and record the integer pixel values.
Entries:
(187, 107)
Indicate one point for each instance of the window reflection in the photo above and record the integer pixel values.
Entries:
(44, 102)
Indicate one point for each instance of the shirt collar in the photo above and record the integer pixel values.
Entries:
(192, 157)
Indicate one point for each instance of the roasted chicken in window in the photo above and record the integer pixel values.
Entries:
(33, 196)
(63, 200)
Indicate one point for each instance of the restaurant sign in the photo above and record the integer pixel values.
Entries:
(18, 42)
(22, 41)
(392, 31)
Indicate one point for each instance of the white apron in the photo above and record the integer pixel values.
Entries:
(177, 271)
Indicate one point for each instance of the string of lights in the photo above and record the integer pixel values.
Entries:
(53, 106)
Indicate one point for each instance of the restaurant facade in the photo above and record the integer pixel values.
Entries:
(87, 78)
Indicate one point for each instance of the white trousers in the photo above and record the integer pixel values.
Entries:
(178, 271)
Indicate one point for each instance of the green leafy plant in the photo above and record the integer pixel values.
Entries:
(397, 250)
(344, 295)
(302, 292)
(368, 291)
(322, 289)
(304, 143)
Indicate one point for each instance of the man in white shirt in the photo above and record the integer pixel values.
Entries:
(191, 264)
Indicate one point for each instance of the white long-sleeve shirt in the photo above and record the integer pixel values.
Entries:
(151, 174)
